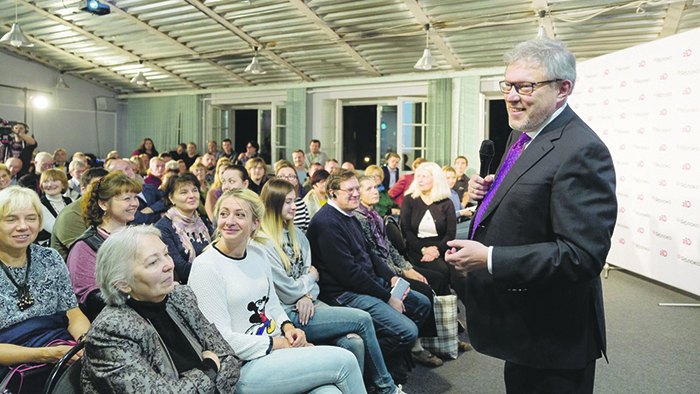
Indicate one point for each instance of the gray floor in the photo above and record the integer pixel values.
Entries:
(652, 349)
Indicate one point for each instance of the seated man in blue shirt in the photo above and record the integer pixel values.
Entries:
(352, 276)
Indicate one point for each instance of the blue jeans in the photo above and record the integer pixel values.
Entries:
(396, 332)
(316, 369)
(332, 325)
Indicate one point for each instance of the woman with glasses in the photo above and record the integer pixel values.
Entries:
(302, 218)
(257, 171)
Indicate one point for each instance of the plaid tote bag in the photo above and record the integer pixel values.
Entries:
(445, 344)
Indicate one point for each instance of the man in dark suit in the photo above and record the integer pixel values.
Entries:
(391, 170)
(542, 233)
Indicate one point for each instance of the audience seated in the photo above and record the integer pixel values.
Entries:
(151, 337)
(298, 160)
(405, 181)
(390, 171)
(331, 165)
(156, 170)
(42, 162)
(289, 254)
(53, 183)
(316, 197)
(59, 160)
(190, 154)
(150, 198)
(228, 151)
(315, 155)
(463, 214)
(251, 151)
(428, 221)
(257, 171)
(109, 204)
(69, 223)
(385, 205)
(5, 176)
(352, 276)
(302, 218)
(147, 147)
(15, 166)
(312, 168)
(180, 152)
(36, 298)
(181, 228)
(215, 188)
(76, 168)
(235, 291)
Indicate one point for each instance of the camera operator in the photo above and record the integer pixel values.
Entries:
(21, 147)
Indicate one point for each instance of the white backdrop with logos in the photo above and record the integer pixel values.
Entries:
(644, 102)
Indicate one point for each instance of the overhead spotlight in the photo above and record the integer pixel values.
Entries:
(426, 62)
(15, 37)
(254, 66)
(61, 83)
(94, 7)
(139, 79)
(39, 101)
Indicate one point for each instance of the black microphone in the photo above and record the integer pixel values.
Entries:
(486, 153)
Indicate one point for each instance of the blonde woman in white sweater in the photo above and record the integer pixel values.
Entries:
(235, 290)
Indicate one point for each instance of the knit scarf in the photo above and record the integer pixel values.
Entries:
(377, 227)
(189, 227)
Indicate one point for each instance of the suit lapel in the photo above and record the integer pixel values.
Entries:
(538, 148)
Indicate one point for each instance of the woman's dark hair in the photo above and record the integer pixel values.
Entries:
(103, 190)
(241, 170)
(254, 144)
(319, 176)
(174, 182)
(142, 147)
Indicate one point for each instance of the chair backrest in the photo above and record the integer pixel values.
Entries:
(65, 379)
(393, 232)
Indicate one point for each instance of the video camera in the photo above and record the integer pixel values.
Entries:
(6, 134)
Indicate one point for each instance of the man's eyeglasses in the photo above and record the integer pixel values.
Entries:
(350, 191)
(524, 88)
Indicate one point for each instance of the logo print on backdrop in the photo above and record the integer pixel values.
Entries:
(641, 97)
(640, 164)
(662, 182)
(686, 166)
(642, 63)
(663, 253)
(640, 197)
(687, 91)
(686, 204)
(606, 102)
(606, 72)
(622, 115)
(623, 147)
(622, 241)
(687, 241)
(663, 76)
(622, 178)
(576, 106)
(686, 129)
(623, 84)
(605, 132)
(663, 112)
(662, 218)
(662, 147)
(640, 230)
(590, 90)
(687, 53)
(622, 209)
(641, 130)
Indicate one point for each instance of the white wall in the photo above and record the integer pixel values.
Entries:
(71, 121)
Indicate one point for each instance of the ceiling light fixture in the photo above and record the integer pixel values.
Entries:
(426, 62)
(15, 37)
(541, 32)
(140, 79)
(61, 83)
(254, 66)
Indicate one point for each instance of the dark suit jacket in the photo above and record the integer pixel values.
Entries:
(550, 223)
(387, 176)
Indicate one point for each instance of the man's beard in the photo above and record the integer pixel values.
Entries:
(211, 168)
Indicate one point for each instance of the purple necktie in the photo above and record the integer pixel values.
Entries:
(512, 156)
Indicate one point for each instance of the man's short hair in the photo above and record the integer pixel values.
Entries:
(462, 157)
(75, 164)
(315, 141)
(337, 177)
(418, 162)
(91, 174)
(332, 161)
(41, 156)
(226, 140)
(165, 154)
(552, 56)
(155, 159)
(299, 151)
(392, 154)
(254, 144)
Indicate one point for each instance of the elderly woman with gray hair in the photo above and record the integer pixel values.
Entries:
(151, 337)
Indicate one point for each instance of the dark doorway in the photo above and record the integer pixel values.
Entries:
(360, 135)
(245, 128)
(499, 130)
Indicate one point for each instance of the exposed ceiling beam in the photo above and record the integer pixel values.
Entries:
(247, 38)
(177, 43)
(435, 37)
(543, 5)
(101, 40)
(321, 24)
(672, 19)
(88, 64)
